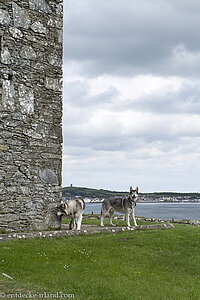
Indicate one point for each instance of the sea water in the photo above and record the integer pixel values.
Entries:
(165, 211)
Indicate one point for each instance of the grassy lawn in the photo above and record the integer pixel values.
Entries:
(144, 264)
(94, 220)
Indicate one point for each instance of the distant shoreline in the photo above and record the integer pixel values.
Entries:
(153, 202)
(97, 195)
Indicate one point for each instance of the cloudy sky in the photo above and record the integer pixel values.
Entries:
(132, 94)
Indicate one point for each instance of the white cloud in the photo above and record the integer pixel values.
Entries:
(134, 41)
(184, 60)
(131, 93)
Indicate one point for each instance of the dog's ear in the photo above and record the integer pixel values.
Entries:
(61, 202)
(131, 189)
(137, 189)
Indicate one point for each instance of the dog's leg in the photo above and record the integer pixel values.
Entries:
(75, 223)
(79, 220)
(102, 218)
(128, 219)
(133, 216)
(71, 225)
(111, 213)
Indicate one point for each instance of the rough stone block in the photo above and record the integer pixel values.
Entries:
(28, 52)
(4, 148)
(9, 218)
(50, 156)
(8, 94)
(16, 33)
(48, 176)
(54, 84)
(40, 5)
(4, 17)
(55, 23)
(26, 99)
(21, 18)
(38, 27)
(5, 56)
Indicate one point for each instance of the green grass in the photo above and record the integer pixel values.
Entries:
(145, 264)
(94, 220)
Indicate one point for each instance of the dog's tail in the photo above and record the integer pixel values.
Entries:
(83, 204)
(103, 204)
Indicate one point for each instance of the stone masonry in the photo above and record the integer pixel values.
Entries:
(30, 113)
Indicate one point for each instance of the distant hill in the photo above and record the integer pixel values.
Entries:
(89, 192)
(101, 193)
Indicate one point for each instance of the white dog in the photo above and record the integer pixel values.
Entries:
(74, 210)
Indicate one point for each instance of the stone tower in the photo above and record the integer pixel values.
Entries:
(30, 113)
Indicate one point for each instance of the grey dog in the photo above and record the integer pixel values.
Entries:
(122, 205)
(74, 210)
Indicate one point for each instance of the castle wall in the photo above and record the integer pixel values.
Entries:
(30, 113)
